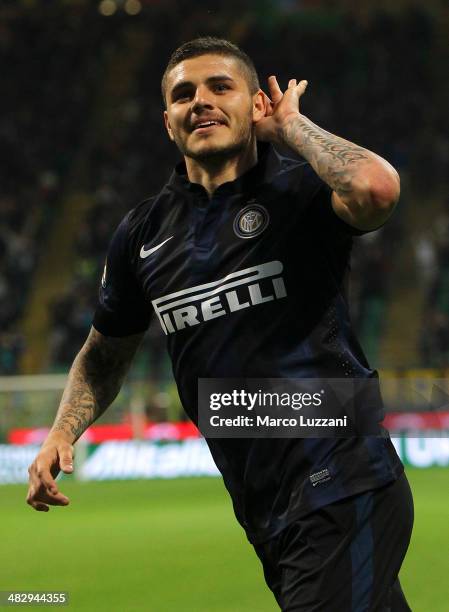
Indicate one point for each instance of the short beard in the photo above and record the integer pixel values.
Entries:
(216, 156)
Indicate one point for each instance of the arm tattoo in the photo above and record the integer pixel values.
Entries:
(335, 160)
(94, 381)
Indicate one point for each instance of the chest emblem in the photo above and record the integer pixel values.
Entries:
(251, 221)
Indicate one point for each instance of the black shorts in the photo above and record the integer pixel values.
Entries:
(344, 557)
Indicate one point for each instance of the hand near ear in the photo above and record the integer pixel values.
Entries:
(280, 106)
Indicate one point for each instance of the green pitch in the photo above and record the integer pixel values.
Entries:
(171, 546)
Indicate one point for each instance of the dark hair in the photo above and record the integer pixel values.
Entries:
(217, 46)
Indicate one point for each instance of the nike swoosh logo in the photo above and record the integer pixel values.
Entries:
(144, 253)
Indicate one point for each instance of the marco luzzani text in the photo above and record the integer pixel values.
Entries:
(251, 402)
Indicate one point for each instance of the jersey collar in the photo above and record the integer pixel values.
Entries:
(243, 184)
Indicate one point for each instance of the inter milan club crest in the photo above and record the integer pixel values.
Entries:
(251, 221)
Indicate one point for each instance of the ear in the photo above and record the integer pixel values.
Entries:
(260, 106)
(167, 126)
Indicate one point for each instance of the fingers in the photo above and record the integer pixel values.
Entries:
(41, 498)
(39, 506)
(42, 502)
(275, 91)
(46, 479)
(66, 458)
(301, 86)
(43, 490)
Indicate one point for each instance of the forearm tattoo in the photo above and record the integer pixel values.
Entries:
(78, 406)
(94, 381)
(335, 160)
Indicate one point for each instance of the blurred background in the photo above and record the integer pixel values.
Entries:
(83, 142)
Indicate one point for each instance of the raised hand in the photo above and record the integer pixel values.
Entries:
(280, 106)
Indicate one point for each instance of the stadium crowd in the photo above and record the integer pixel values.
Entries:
(432, 254)
(363, 79)
(49, 92)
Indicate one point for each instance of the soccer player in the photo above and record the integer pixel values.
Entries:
(242, 256)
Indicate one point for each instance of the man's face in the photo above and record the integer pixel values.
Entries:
(210, 110)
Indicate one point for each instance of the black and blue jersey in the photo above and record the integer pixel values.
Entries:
(250, 283)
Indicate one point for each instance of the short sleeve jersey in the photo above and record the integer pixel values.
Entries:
(250, 283)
